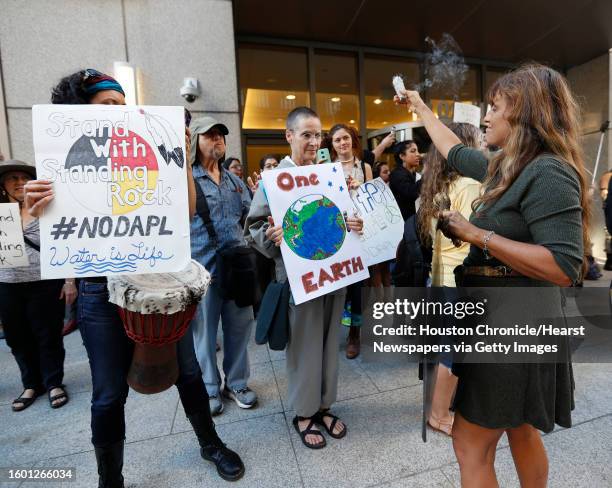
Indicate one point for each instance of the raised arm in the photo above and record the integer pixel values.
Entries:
(442, 137)
(387, 142)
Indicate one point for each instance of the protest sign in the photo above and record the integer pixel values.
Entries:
(383, 223)
(119, 176)
(312, 204)
(466, 113)
(12, 247)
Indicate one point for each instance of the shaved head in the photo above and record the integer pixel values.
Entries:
(297, 114)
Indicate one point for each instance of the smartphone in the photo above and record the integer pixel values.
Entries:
(323, 156)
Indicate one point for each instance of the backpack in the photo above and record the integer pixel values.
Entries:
(413, 260)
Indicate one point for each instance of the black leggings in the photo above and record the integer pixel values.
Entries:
(33, 316)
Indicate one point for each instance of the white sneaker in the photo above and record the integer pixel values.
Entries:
(244, 398)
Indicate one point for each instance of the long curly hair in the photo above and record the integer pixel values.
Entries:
(438, 177)
(544, 117)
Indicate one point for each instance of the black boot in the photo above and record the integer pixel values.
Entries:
(110, 465)
(229, 465)
(608, 265)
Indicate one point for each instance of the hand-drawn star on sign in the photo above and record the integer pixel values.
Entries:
(341, 188)
(334, 169)
(330, 184)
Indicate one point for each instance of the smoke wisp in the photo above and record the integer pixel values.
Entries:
(444, 66)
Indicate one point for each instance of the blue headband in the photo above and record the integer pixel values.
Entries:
(94, 82)
(104, 85)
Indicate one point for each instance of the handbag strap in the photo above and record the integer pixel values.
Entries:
(204, 212)
(33, 245)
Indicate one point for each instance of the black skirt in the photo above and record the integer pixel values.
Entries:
(501, 396)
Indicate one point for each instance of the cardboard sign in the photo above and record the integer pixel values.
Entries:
(382, 218)
(119, 176)
(12, 247)
(466, 113)
(312, 204)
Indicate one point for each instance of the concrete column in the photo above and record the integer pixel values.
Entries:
(165, 40)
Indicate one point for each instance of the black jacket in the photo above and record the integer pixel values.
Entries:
(405, 189)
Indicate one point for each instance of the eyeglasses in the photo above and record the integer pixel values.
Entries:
(308, 135)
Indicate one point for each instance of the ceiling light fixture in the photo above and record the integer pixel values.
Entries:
(290, 97)
(377, 101)
(335, 99)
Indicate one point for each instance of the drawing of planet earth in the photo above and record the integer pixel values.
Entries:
(313, 227)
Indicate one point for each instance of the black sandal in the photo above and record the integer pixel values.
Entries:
(318, 418)
(309, 431)
(60, 396)
(24, 402)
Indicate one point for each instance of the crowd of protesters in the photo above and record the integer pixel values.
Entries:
(522, 208)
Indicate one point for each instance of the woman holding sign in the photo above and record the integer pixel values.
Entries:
(345, 147)
(108, 348)
(32, 311)
(529, 228)
(312, 350)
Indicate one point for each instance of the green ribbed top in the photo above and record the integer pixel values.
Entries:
(542, 207)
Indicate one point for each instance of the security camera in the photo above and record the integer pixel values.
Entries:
(190, 89)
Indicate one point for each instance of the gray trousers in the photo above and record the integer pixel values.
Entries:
(312, 353)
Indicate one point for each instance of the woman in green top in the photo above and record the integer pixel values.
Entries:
(528, 228)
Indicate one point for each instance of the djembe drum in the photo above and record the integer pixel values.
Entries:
(156, 310)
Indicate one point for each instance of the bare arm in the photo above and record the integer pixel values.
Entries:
(387, 142)
(442, 137)
(368, 173)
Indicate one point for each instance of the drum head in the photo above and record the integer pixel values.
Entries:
(159, 293)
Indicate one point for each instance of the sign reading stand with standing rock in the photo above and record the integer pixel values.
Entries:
(120, 185)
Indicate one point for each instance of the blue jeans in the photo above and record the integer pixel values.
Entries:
(237, 323)
(110, 355)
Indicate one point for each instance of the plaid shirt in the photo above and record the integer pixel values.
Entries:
(229, 204)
